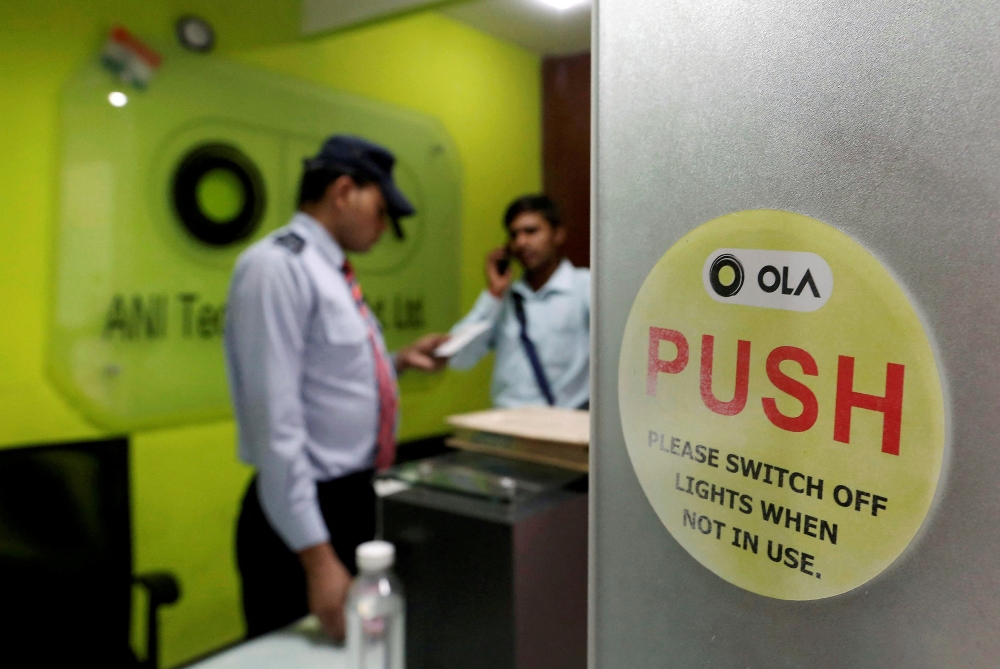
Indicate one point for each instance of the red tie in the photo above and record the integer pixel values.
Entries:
(388, 392)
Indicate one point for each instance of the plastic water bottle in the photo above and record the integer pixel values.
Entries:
(376, 612)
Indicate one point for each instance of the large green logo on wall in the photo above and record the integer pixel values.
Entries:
(158, 198)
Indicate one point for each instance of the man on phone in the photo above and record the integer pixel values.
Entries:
(314, 389)
(539, 326)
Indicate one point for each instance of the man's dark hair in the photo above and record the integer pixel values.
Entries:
(315, 181)
(533, 204)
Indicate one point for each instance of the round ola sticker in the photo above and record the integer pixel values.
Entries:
(781, 405)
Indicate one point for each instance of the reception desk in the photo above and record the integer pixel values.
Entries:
(302, 645)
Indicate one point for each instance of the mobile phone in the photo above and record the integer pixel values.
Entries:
(503, 264)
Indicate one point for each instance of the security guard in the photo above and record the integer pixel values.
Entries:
(314, 389)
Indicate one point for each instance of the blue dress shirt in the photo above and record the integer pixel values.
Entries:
(558, 318)
(301, 374)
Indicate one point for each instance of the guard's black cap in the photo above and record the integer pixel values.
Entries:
(355, 155)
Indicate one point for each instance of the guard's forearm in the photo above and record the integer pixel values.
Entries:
(317, 559)
(399, 361)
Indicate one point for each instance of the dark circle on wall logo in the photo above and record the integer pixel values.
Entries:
(232, 221)
(733, 283)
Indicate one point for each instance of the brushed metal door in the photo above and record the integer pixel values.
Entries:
(878, 118)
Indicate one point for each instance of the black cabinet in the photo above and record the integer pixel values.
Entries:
(493, 583)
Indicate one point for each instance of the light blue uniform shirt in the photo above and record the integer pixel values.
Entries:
(301, 374)
(558, 317)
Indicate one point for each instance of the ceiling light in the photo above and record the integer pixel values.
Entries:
(563, 5)
(117, 99)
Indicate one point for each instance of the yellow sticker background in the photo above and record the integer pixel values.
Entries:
(869, 317)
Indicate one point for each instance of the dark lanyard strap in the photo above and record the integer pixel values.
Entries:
(530, 350)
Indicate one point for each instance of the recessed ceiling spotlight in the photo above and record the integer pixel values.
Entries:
(117, 99)
(563, 5)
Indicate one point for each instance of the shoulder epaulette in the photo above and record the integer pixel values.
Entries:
(291, 241)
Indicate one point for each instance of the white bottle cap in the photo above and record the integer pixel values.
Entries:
(375, 555)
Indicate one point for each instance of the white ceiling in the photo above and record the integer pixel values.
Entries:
(528, 23)
(322, 15)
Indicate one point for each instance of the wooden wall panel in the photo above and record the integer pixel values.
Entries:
(566, 147)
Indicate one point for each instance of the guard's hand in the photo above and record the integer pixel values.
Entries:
(496, 282)
(327, 583)
(420, 354)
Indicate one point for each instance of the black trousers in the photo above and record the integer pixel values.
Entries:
(273, 582)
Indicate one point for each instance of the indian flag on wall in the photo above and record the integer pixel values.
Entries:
(125, 55)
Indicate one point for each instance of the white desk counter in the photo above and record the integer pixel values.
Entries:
(300, 646)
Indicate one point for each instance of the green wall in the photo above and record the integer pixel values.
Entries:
(186, 481)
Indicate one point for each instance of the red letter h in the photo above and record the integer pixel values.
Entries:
(891, 405)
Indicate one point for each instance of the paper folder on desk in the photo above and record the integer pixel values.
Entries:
(545, 435)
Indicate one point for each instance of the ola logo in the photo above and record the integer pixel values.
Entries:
(219, 194)
(726, 275)
(779, 279)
